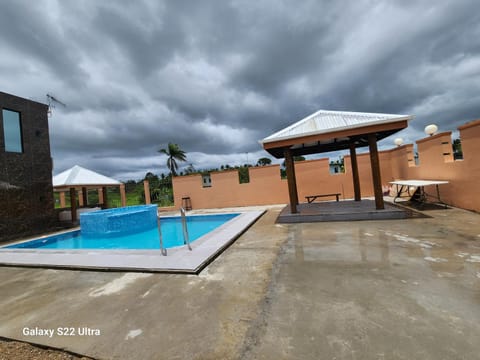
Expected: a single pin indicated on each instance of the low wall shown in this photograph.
(265, 187)
(436, 163)
(313, 176)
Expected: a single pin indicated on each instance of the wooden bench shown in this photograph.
(312, 198)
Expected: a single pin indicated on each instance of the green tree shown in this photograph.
(190, 169)
(243, 175)
(174, 154)
(264, 161)
(295, 158)
(150, 177)
(457, 149)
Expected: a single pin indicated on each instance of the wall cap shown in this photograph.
(401, 147)
(469, 124)
(263, 167)
(439, 135)
(323, 159)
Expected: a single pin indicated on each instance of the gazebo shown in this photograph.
(80, 179)
(326, 131)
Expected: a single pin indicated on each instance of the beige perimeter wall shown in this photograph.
(313, 176)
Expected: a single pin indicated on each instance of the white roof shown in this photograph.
(79, 176)
(325, 121)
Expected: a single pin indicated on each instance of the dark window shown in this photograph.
(206, 180)
(12, 131)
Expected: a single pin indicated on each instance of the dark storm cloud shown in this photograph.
(25, 29)
(217, 76)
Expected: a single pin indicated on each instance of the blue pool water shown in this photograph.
(118, 221)
(171, 231)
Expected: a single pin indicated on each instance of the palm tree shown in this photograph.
(174, 154)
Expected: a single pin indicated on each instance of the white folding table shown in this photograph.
(405, 185)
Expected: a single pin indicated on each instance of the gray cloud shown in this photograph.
(217, 76)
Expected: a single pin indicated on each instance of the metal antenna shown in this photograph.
(51, 103)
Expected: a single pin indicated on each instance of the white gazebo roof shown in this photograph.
(78, 176)
(326, 121)
(326, 131)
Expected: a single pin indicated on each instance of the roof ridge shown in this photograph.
(73, 174)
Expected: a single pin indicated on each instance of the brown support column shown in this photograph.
(146, 189)
(123, 197)
(356, 177)
(63, 203)
(291, 180)
(85, 196)
(100, 195)
(375, 163)
(80, 197)
(73, 204)
(105, 198)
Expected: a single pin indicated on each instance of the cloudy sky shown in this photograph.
(217, 76)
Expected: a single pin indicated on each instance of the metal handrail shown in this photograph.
(186, 241)
(162, 249)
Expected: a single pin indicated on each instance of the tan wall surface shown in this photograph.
(313, 176)
(265, 187)
(436, 163)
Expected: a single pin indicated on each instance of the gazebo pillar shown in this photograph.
(291, 180)
(100, 195)
(375, 164)
(63, 203)
(123, 197)
(105, 198)
(73, 204)
(146, 188)
(355, 176)
(80, 197)
(85, 196)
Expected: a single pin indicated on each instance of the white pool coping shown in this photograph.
(177, 260)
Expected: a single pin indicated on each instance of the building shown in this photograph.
(26, 193)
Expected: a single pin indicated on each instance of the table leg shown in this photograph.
(438, 197)
(399, 193)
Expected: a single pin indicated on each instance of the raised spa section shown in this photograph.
(118, 222)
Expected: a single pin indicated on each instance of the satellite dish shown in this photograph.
(431, 129)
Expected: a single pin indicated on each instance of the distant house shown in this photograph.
(26, 193)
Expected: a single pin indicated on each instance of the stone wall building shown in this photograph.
(26, 194)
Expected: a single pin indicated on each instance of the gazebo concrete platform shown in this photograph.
(347, 210)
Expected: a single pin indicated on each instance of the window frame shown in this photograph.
(20, 131)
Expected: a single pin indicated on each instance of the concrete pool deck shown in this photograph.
(387, 289)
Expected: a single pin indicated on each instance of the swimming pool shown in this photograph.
(172, 233)
(177, 259)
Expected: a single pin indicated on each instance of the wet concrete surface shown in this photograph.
(387, 289)
(404, 289)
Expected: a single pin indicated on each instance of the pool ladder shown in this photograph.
(162, 249)
(186, 240)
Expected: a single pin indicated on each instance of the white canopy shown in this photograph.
(326, 131)
(78, 176)
(326, 121)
